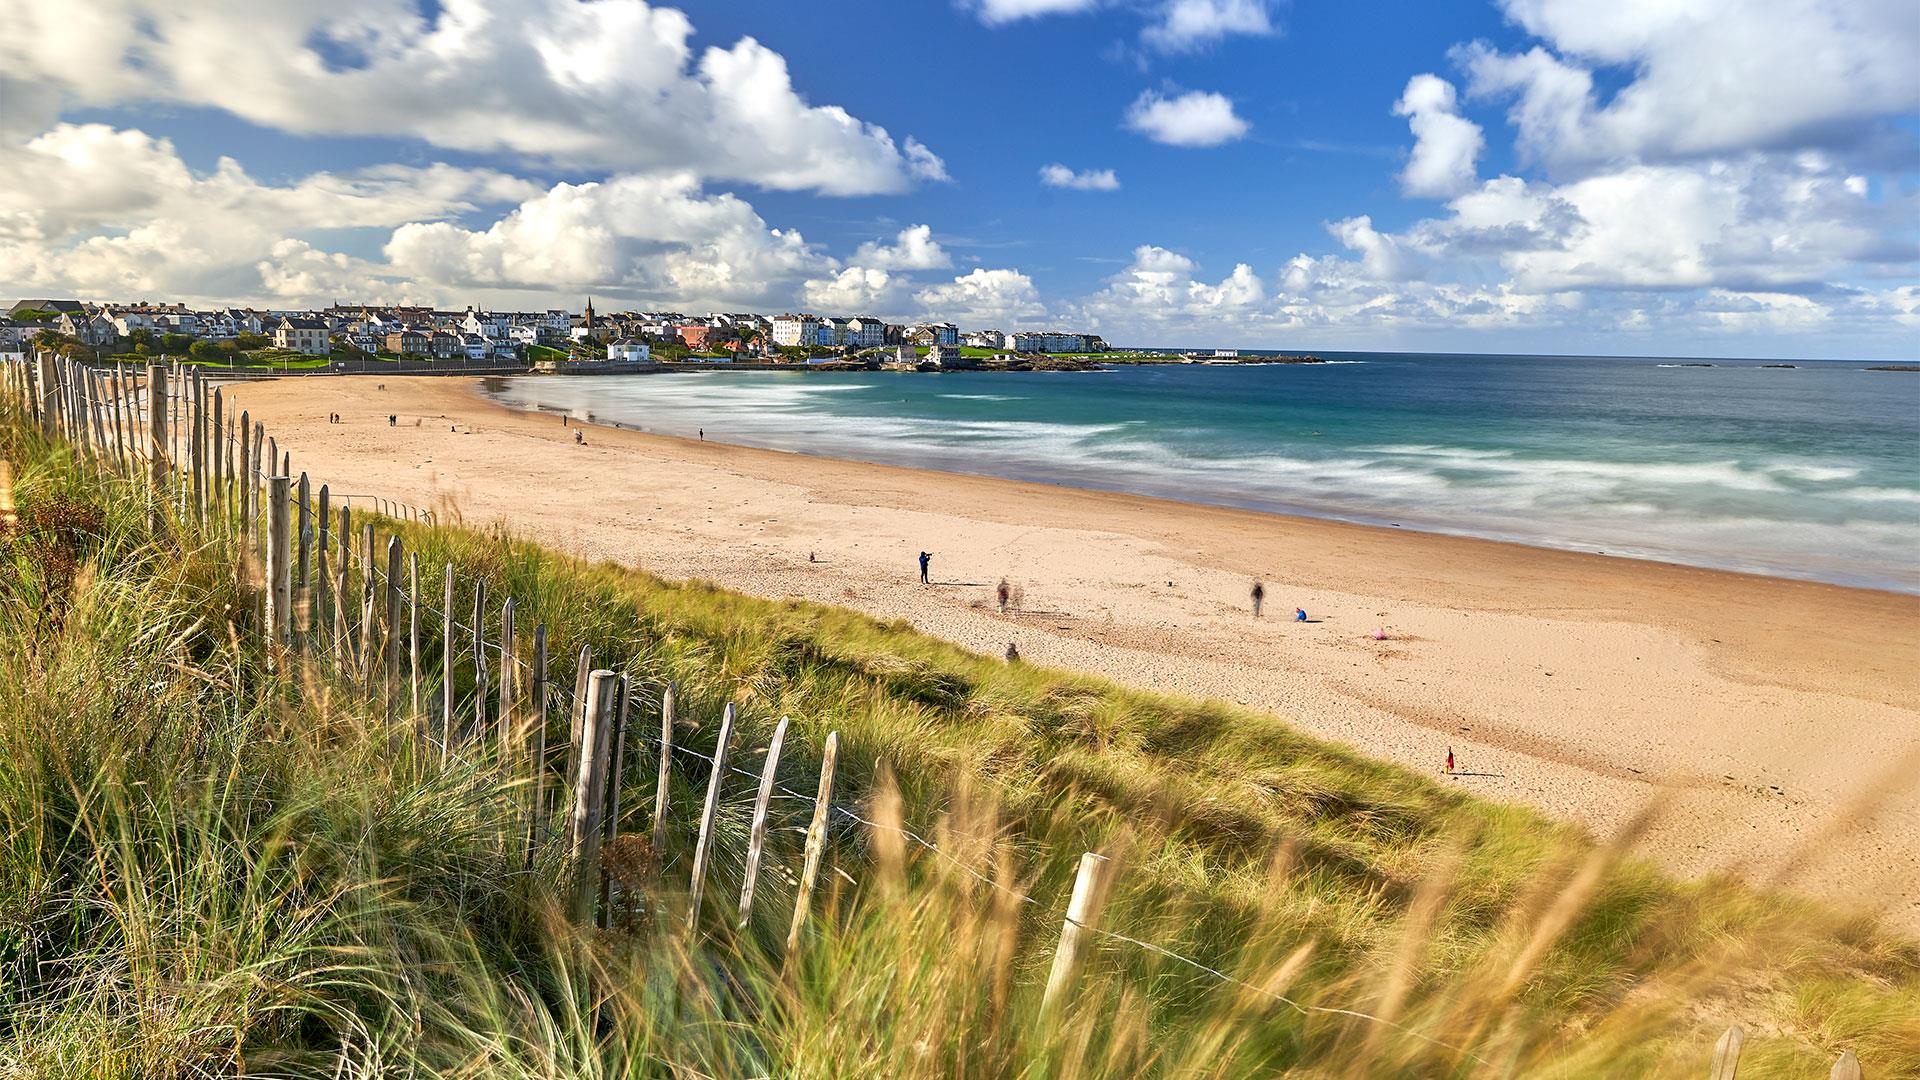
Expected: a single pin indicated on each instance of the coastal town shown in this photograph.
(359, 337)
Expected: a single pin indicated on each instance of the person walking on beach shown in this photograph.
(703, 434)
(1005, 593)
(926, 560)
(1449, 761)
(1259, 597)
(579, 437)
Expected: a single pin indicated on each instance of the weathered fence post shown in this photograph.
(345, 535)
(446, 667)
(480, 679)
(304, 524)
(666, 767)
(616, 769)
(589, 793)
(704, 843)
(325, 523)
(506, 720)
(816, 842)
(392, 642)
(757, 836)
(245, 486)
(1082, 911)
(279, 573)
(254, 479)
(1726, 1054)
(369, 623)
(413, 635)
(157, 439)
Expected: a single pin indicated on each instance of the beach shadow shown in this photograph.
(1495, 775)
(965, 583)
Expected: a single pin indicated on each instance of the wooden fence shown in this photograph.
(224, 473)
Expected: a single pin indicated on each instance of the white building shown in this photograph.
(984, 339)
(795, 330)
(629, 351)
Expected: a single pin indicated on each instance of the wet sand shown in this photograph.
(1781, 718)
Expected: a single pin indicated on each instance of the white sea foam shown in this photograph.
(1788, 515)
(1880, 494)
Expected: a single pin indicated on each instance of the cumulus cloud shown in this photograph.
(1754, 224)
(1707, 78)
(1195, 118)
(1057, 175)
(635, 236)
(983, 297)
(613, 84)
(1382, 257)
(913, 249)
(1446, 144)
(1159, 287)
(1185, 25)
(855, 289)
(112, 212)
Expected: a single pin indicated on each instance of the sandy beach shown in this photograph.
(1780, 718)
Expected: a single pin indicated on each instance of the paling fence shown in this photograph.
(356, 607)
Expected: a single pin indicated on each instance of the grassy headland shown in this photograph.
(210, 864)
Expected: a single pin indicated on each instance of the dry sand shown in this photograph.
(1782, 718)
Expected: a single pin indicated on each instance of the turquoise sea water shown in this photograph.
(1810, 472)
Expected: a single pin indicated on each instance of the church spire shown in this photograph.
(589, 312)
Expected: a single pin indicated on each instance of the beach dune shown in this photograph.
(1779, 720)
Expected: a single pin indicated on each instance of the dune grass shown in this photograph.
(212, 864)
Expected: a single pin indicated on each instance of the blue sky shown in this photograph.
(1700, 177)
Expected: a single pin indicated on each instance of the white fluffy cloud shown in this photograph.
(640, 237)
(913, 249)
(1753, 224)
(1185, 25)
(1382, 257)
(613, 84)
(1446, 144)
(1159, 285)
(983, 297)
(1708, 77)
(1195, 118)
(1057, 175)
(116, 213)
(856, 289)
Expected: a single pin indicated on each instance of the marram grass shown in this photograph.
(215, 865)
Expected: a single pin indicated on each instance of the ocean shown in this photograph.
(1811, 471)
